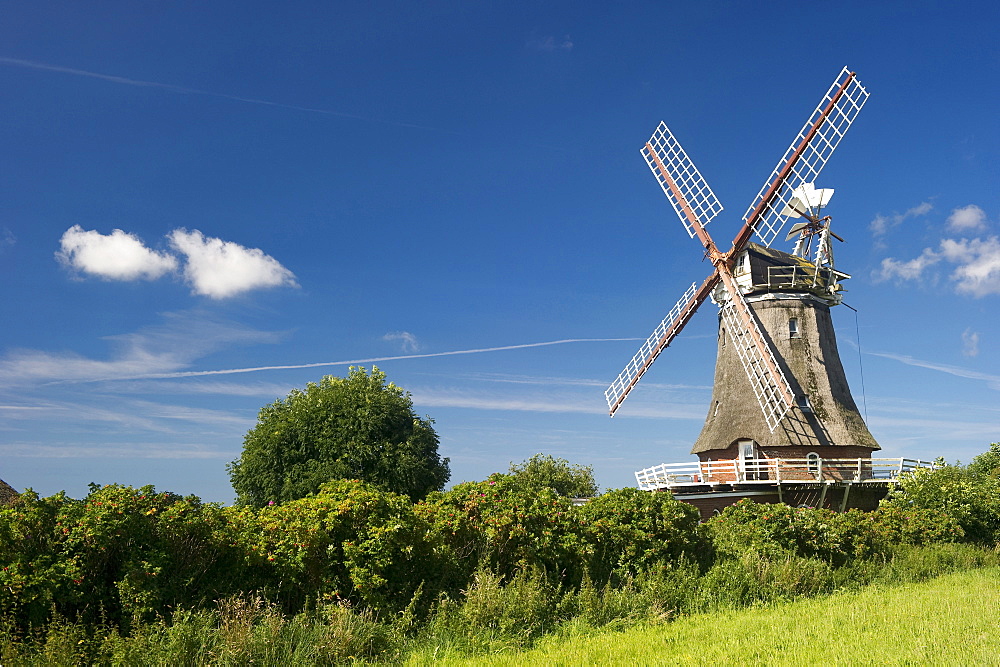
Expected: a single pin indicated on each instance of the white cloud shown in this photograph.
(977, 260)
(220, 269)
(883, 223)
(967, 218)
(408, 342)
(970, 343)
(563, 381)
(35, 365)
(214, 268)
(555, 402)
(127, 451)
(116, 256)
(978, 271)
(7, 239)
(549, 43)
(269, 390)
(169, 347)
(893, 269)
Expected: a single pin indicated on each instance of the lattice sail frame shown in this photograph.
(810, 162)
(664, 148)
(770, 396)
(655, 344)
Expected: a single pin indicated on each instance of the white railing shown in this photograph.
(799, 277)
(770, 471)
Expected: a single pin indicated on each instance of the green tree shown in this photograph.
(358, 427)
(542, 471)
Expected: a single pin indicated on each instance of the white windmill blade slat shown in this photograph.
(680, 180)
(807, 154)
(768, 381)
(656, 343)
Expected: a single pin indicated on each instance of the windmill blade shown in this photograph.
(768, 381)
(658, 341)
(804, 159)
(688, 192)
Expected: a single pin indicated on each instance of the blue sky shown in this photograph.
(304, 183)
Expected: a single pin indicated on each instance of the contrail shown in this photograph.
(30, 64)
(958, 371)
(346, 362)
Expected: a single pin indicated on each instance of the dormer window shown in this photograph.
(793, 328)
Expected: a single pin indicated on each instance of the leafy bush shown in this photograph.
(986, 466)
(500, 526)
(33, 574)
(910, 525)
(780, 530)
(971, 496)
(121, 554)
(542, 471)
(630, 531)
(349, 542)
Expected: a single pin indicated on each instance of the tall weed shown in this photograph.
(653, 595)
(757, 578)
(494, 615)
(911, 564)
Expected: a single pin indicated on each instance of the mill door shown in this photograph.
(747, 456)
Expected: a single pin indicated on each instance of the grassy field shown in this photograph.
(951, 620)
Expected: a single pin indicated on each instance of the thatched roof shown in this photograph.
(7, 493)
(811, 363)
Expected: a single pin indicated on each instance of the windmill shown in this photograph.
(776, 341)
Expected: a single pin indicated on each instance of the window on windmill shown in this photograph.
(793, 328)
(812, 461)
(803, 402)
(722, 336)
(714, 414)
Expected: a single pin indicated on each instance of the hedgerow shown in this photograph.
(353, 570)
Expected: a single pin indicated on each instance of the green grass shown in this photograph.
(951, 620)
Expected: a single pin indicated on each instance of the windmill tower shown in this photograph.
(780, 392)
